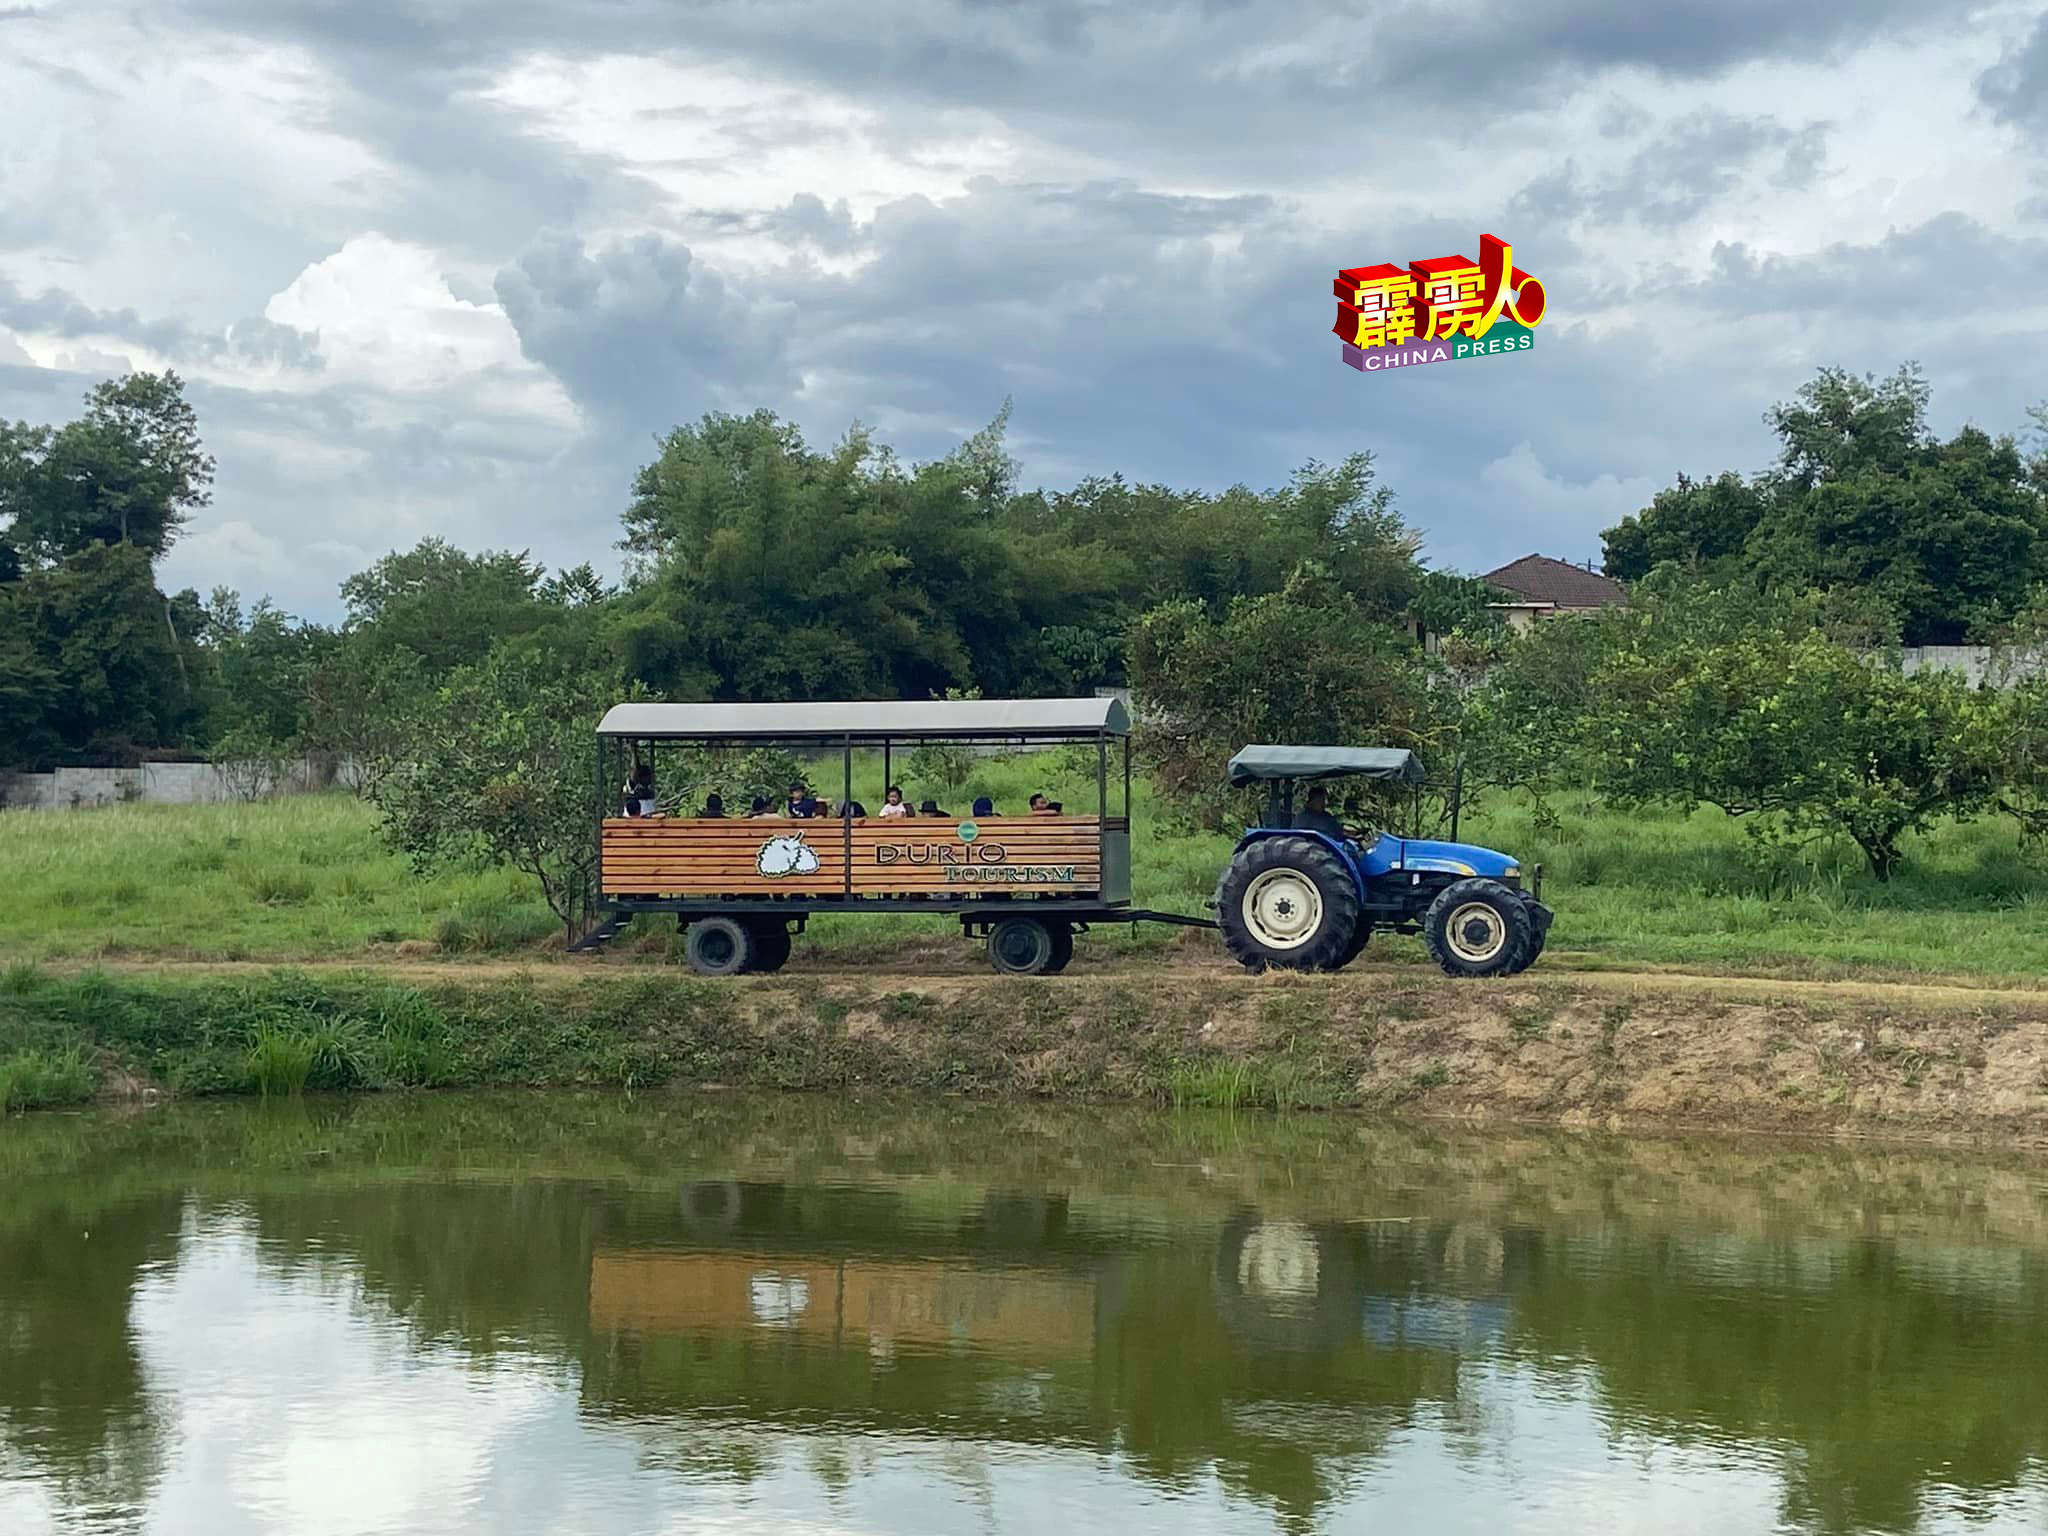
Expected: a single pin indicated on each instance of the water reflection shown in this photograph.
(561, 1314)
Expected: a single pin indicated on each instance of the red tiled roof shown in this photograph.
(1540, 579)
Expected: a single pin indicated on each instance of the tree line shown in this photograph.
(758, 567)
(1754, 667)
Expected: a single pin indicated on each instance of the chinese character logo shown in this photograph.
(1442, 308)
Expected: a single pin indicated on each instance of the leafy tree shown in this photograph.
(263, 667)
(1756, 706)
(360, 706)
(1863, 497)
(786, 573)
(1305, 664)
(97, 625)
(2019, 721)
(251, 761)
(1951, 541)
(492, 764)
(449, 608)
(1697, 524)
(131, 470)
(1519, 709)
(1840, 426)
(1156, 544)
(31, 692)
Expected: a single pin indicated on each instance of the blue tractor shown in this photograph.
(1303, 892)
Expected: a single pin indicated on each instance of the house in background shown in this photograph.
(1539, 587)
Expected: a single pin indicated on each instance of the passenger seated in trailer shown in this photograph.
(852, 810)
(639, 791)
(984, 806)
(1315, 816)
(930, 808)
(714, 807)
(893, 803)
(1040, 806)
(803, 803)
(761, 807)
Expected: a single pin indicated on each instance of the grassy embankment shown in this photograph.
(1580, 1050)
(306, 879)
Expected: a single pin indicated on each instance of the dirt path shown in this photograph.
(920, 975)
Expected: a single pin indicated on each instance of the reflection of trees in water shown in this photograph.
(484, 1264)
(73, 1403)
(1261, 1336)
(1878, 1385)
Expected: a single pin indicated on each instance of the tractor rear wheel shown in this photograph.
(1290, 903)
(1477, 928)
(1357, 945)
(1530, 951)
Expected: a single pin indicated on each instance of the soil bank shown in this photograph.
(1597, 1050)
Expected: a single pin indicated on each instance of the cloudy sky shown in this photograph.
(447, 266)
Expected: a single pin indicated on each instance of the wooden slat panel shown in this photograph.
(686, 856)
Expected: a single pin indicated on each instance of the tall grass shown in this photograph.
(287, 1057)
(298, 877)
(34, 1079)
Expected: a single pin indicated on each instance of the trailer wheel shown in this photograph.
(770, 946)
(1022, 946)
(717, 946)
(1288, 902)
(1062, 948)
(1477, 928)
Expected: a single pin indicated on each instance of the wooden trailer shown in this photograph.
(739, 885)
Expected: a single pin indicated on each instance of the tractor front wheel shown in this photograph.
(1478, 928)
(1290, 903)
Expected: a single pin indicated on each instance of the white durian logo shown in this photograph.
(788, 855)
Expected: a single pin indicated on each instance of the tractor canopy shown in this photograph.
(1259, 764)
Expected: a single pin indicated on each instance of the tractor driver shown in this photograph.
(1315, 816)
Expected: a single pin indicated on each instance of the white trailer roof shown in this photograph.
(943, 719)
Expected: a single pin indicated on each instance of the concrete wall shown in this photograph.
(160, 784)
(1973, 661)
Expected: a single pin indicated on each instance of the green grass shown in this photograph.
(302, 877)
(307, 878)
(34, 1079)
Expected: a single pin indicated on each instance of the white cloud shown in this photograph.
(385, 315)
(1555, 516)
(706, 136)
(88, 359)
(904, 219)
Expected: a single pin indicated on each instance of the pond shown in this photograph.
(788, 1314)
